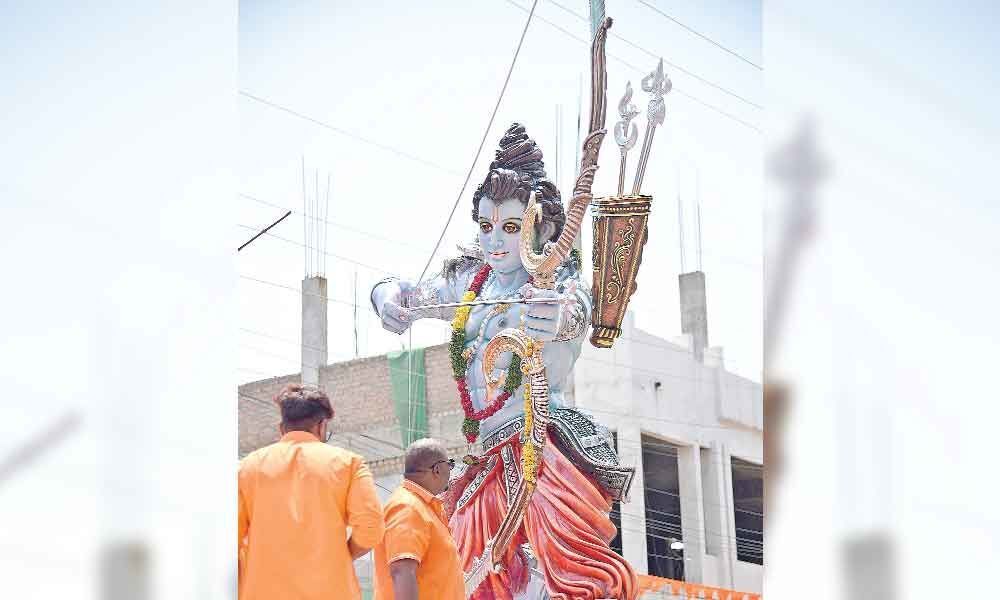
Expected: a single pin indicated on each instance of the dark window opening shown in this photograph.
(748, 510)
(664, 539)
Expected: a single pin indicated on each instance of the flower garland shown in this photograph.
(460, 364)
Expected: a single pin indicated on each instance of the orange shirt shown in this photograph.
(297, 498)
(416, 527)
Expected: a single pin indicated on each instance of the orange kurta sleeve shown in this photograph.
(406, 534)
(243, 527)
(364, 511)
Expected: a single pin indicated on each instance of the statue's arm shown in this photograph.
(562, 352)
(398, 303)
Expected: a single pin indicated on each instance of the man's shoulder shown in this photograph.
(405, 500)
(325, 452)
(335, 456)
(252, 459)
(335, 451)
(402, 505)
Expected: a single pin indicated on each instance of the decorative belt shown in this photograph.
(503, 433)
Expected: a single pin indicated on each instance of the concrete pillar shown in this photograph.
(718, 515)
(692, 515)
(729, 506)
(314, 310)
(633, 511)
(694, 310)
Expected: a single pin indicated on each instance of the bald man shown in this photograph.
(417, 558)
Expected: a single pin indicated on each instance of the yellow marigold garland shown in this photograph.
(529, 461)
(462, 312)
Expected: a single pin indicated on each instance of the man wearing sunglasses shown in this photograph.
(297, 499)
(418, 559)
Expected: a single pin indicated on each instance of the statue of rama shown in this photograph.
(564, 532)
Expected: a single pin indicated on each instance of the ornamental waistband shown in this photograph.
(503, 433)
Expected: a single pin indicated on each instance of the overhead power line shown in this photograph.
(644, 72)
(347, 133)
(263, 231)
(701, 35)
(652, 54)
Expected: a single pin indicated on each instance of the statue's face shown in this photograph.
(500, 233)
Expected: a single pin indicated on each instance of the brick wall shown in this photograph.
(361, 394)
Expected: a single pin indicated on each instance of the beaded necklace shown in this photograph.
(460, 362)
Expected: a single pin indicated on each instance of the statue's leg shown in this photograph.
(472, 526)
(568, 527)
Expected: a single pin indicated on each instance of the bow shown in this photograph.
(542, 267)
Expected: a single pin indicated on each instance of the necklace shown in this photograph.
(469, 352)
(460, 359)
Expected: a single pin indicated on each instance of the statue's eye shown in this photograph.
(511, 227)
(485, 226)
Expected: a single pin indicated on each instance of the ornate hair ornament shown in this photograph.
(518, 171)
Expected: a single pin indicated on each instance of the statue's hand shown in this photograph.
(457, 484)
(395, 318)
(541, 320)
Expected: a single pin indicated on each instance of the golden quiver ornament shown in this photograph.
(619, 236)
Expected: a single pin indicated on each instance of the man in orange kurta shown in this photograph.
(297, 499)
(418, 559)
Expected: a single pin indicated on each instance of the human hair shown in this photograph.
(302, 406)
(518, 170)
(422, 453)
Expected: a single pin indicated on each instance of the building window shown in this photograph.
(664, 539)
(748, 510)
(616, 511)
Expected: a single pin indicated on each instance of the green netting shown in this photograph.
(406, 372)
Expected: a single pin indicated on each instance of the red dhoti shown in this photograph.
(566, 522)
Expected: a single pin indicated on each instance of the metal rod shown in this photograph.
(640, 172)
(263, 231)
(326, 229)
(621, 174)
(315, 227)
(305, 220)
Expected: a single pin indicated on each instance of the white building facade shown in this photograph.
(694, 433)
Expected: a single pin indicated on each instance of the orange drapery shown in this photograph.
(650, 583)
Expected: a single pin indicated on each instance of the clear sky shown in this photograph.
(423, 80)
